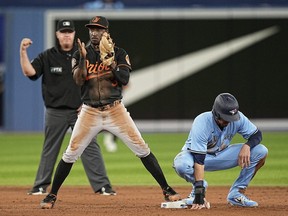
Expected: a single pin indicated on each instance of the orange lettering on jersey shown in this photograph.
(96, 70)
(91, 77)
(101, 67)
(91, 68)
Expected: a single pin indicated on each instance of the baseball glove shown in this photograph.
(106, 47)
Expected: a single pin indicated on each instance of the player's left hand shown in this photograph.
(201, 206)
(200, 202)
(244, 156)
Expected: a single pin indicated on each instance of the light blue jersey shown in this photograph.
(206, 137)
(209, 146)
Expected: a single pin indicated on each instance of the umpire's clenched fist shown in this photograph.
(25, 43)
(26, 65)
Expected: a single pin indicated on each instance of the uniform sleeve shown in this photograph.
(38, 65)
(246, 127)
(122, 59)
(255, 139)
(198, 136)
(122, 72)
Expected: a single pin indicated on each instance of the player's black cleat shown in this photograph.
(170, 194)
(48, 202)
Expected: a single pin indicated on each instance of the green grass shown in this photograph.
(20, 155)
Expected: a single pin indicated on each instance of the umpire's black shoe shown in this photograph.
(48, 202)
(106, 191)
(170, 194)
(37, 191)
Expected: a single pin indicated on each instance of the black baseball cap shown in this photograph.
(98, 21)
(226, 107)
(65, 25)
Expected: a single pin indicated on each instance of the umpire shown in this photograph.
(62, 100)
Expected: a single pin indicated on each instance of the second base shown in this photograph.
(177, 204)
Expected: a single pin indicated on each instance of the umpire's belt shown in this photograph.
(104, 107)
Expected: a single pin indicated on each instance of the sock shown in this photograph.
(151, 164)
(62, 171)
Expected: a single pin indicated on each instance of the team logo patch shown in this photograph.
(127, 60)
(56, 70)
(96, 19)
(66, 23)
(234, 111)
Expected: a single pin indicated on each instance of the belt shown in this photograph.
(104, 107)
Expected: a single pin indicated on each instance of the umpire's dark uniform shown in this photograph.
(62, 99)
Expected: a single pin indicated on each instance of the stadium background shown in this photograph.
(256, 75)
(21, 107)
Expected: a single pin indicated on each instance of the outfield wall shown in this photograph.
(181, 60)
(23, 106)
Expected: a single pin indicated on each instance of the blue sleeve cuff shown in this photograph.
(199, 158)
(254, 139)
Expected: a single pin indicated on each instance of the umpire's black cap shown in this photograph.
(65, 25)
(98, 21)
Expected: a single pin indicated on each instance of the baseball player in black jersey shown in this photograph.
(102, 80)
(62, 98)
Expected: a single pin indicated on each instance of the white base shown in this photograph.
(177, 204)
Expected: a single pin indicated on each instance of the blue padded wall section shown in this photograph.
(23, 105)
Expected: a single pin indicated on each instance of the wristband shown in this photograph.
(199, 183)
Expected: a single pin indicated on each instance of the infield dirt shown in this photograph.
(138, 200)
